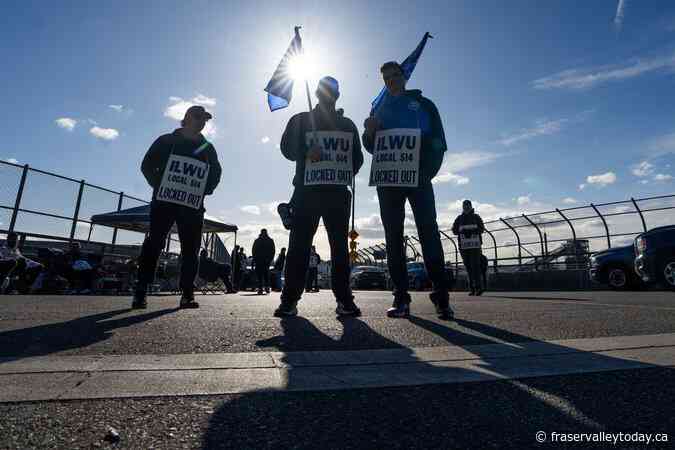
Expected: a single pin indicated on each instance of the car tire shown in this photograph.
(618, 278)
(668, 273)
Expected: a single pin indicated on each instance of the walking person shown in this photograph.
(263, 254)
(327, 152)
(181, 167)
(406, 137)
(469, 227)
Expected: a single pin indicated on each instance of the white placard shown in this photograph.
(184, 181)
(335, 165)
(470, 242)
(396, 158)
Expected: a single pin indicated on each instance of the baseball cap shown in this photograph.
(199, 112)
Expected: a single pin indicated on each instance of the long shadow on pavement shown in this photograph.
(56, 337)
(497, 414)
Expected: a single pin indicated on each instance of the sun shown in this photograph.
(300, 67)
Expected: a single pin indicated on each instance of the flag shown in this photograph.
(280, 87)
(408, 66)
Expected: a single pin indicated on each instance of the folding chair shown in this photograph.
(212, 286)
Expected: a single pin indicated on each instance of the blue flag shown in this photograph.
(408, 66)
(280, 87)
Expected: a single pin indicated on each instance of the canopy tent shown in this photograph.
(138, 219)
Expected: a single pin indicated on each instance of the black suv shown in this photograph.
(615, 268)
(368, 277)
(655, 251)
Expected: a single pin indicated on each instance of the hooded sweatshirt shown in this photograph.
(294, 147)
(412, 110)
(155, 159)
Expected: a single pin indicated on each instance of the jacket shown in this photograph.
(294, 148)
(155, 159)
(263, 249)
(469, 219)
(433, 145)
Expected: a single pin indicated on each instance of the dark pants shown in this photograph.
(262, 271)
(392, 212)
(312, 279)
(472, 263)
(189, 223)
(310, 206)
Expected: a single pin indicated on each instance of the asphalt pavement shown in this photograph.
(559, 362)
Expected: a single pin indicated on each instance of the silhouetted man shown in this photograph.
(469, 227)
(327, 153)
(182, 168)
(263, 254)
(405, 136)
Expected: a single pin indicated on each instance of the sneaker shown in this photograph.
(139, 301)
(347, 309)
(286, 213)
(480, 291)
(187, 301)
(399, 309)
(267, 290)
(286, 309)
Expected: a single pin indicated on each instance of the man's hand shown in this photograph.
(372, 124)
(314, 153)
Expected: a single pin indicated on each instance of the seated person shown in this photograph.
(79, 271)
(13, 265)
(211, 270)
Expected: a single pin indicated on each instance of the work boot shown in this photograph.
(187, 301)
(286, 309)
(139, 301)
(441, 301)
(347, 308)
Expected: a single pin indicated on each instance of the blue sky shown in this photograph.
(545, 104)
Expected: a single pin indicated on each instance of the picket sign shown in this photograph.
(335, 165)
(184, 181)
(396, 158)
(470, 242)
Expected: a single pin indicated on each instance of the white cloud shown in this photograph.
(117, 108)
(643, 169)
(644, 181)
(107, 134)
(662, 177)
(524, 200)
(569, 201)
(541, 128)
(177, 110)
(582, 186)
(251, 209)
(66, 123)
(271, 207)
(12, 160)
(585, 78)
(602, 180)
(461, 161)
(620, 11)
(265, 139)
(449, 177)
(201, 99)
(663, 145)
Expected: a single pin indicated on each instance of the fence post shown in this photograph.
(456, 252)
(642, 218)
(19, 195)
(541, 239)
(604, 222)
(119, 208)
(77, 210)
(494, 243)
(520, 253)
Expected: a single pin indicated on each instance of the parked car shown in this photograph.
(655, 256)
(418, 278)
(368, 277)
(615, 268)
